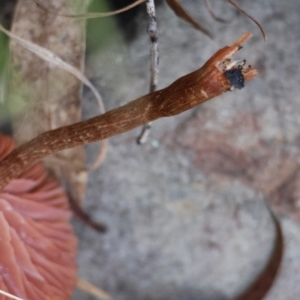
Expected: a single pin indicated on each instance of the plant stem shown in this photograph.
(154, 57)
(183, 94)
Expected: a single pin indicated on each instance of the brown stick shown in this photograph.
(185, 93)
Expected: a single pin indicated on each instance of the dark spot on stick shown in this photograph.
(236, 77)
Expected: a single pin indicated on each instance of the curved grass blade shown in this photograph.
(55, 60)
(211, 12)
(251, 18)
(182, 13)
(263, 283)
(92, 290)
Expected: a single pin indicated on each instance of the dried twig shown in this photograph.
(152, 32)
(154, 57)
(10, 296)
(185, 93)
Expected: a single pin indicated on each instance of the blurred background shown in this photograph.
(186, 212)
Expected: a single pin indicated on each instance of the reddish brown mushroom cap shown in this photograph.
(37, 244)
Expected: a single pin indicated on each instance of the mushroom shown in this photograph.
(37, 244)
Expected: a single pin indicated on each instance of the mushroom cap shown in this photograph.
(37, 244)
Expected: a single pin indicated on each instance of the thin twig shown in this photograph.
(92, 290)
(183, 94)
(153, 34)
(8, 295)
(154, 59)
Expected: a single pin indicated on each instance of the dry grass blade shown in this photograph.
(211, 12)
(80, 213)
(10, 295)
(261, 286)
(246, 14)
(100, 157)
(92, 290)
(185, 93)
(50, 57)
(41, 97)
(181, 12)
(93, 15)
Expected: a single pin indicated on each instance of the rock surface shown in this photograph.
(186, 212)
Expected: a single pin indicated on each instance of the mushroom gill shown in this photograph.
(37, 244)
